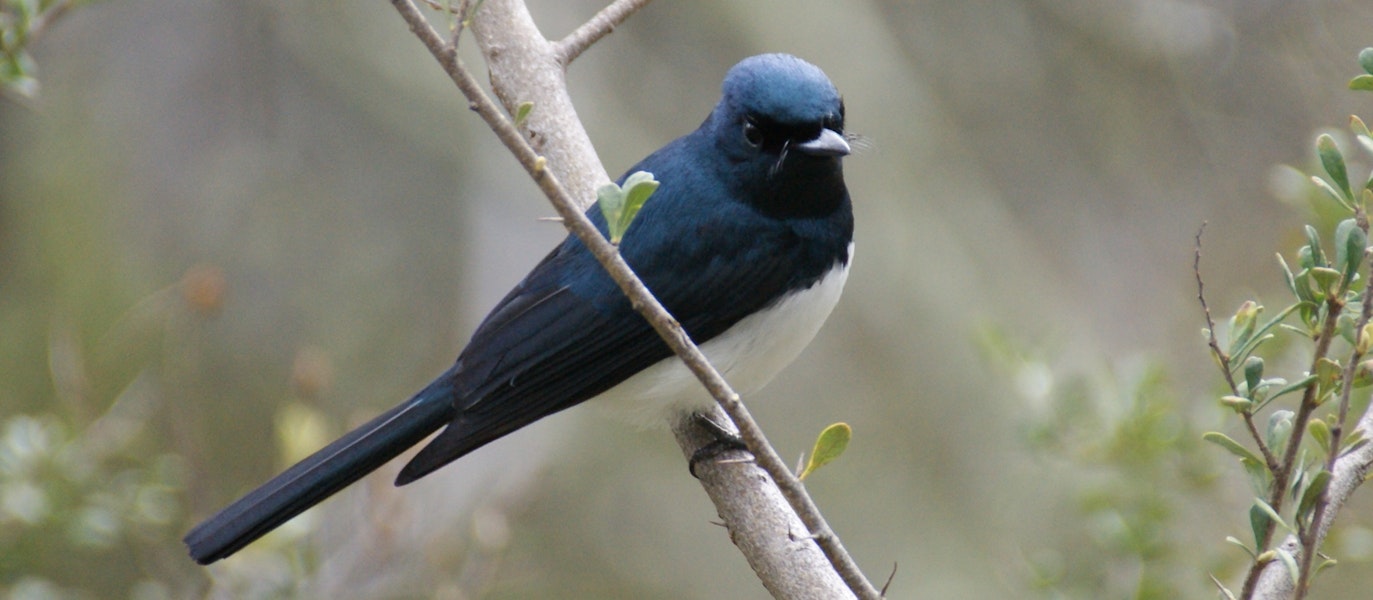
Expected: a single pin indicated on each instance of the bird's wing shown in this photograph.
(567, 333)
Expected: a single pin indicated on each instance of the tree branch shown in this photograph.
(1275, 581)
(599, 26)
(760, 521)
(523, 69)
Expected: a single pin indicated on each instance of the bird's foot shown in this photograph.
(725, 441)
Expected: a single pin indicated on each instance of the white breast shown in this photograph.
(748, 355)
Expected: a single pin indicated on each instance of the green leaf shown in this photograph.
(1230, 539)
(1350, 242)
(1311, 255)
(638, 187)
(1272, 515)
(1242, 325)
(1354, 438)
(1354, 446)
(1287, 274)
(1223, 590)
(1238, 404)
(1313, 492)
(1364, 139)
(828, 446)
(1327, 280)
(1326, 563)
(1320, 431)
(1260, 394)
(1366, 60)
(1236, 448)
(1279, 428)
(1361, 83)
(621, 204)
(1329, 190)
(1333, 162)
(522, 113)
(1363, 372)
(1294, 386)
(1358, 127)
(1258, 475)
(1253, 372)
(1329, 374)
(1259, 522)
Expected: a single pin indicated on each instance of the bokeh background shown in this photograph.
(230, 229)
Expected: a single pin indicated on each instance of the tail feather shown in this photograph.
(325, 472)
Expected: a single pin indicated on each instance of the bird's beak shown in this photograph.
(828, 143)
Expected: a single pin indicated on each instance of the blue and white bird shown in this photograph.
(747, 242)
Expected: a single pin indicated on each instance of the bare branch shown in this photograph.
(525, 67)
(599, 26)
(1223, 358)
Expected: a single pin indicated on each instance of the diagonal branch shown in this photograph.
(599, 26)
(643, 301)
(1274, 582)
(1221, 357)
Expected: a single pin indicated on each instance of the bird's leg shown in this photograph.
(725, 441)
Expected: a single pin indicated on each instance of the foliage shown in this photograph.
(1132, 463)
(21, 21)
(621, 204)
(1299, 425)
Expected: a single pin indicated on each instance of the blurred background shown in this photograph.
(231, 229)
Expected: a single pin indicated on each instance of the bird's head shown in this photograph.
(779, 123)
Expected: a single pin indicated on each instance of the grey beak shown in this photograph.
(828, 143)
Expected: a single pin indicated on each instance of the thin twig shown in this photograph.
(1220, 355)
(1224, 359)
(641, 299)
(595, 28)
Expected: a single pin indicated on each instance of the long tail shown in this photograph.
(312, 480)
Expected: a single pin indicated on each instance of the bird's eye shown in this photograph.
(752, 134)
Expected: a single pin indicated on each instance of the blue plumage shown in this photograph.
(746, 242)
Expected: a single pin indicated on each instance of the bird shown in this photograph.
(747, 242)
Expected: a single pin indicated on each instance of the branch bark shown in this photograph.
(526, 67)
(1275, 581)
(760, 522)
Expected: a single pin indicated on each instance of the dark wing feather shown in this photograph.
(567, 333)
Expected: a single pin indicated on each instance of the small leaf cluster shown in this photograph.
(1294, 446)
(20, 22)
(82, 493)
(1364, 82)
(1125, 451)
(620, 204)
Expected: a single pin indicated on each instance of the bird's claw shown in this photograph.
(725, 441)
